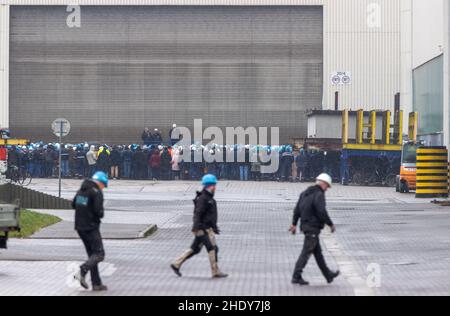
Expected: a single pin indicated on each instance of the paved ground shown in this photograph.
(406, 240)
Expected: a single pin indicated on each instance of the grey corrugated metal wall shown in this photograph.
(130, 67)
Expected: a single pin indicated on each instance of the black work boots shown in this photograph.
(330, 278)
(81, 277)
(333, 275)
(300, 281)
(99, 288)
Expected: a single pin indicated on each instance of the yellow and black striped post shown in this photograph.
(432, 172)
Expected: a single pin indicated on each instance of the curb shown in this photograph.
(146, 232)
(149, 231)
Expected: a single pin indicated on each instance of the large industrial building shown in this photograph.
(113, 67)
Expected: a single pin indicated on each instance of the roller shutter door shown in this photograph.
(130, 67)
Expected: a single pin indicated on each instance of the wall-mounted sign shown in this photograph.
(340, 78)
(61, 127)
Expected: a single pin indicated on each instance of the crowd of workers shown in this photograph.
(159, 162)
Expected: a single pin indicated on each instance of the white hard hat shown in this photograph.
(325, 178)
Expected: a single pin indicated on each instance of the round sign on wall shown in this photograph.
(346, 80)
(341, 78)
(61, 127)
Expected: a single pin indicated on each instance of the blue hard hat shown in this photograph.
(102, 177)
(209, 179)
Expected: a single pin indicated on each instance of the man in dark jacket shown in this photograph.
(301, 161)
(64, 161)
(80, 162)
(116, 161)
(147, 137)
(287, 159)
(38, 164)
(13, 157)
(311, 209)
(104, 160)
(49, 157)
(166, 158)
(157, 137)
(204, 228)
(88, 205)
(142, 164)
(127, 162)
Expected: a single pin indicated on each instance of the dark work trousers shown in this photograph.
(205, 238)
(93, 243)
(92, 170)
(311, 247)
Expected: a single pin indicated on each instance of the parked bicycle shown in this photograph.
(18, 176)
(374, 177)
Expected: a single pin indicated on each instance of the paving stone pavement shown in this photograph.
(407, 239)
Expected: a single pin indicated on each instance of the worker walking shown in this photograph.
(88, 205)
(311, 209)
(204, 228)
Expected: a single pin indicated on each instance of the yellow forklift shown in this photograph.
(406, 181)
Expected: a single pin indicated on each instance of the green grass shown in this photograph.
(31, 222)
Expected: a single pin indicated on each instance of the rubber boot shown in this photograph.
(176, 266)
(216, 273)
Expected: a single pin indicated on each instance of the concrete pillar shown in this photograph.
(406, 60)
(4, 65)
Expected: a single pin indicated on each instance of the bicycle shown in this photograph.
(18, 176)
(373, 178)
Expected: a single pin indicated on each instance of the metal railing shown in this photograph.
(31, 198)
